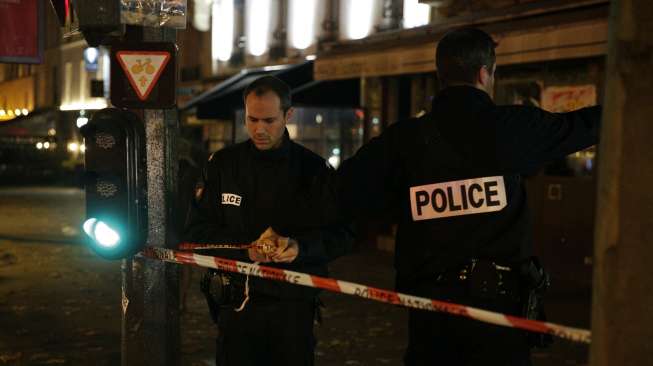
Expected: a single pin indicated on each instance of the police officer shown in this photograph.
(452, 180)
(248, 190)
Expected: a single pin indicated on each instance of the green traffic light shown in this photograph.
(89, 225)
(105, 235)
(115, 181)
(101, 233)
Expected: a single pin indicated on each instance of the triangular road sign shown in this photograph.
(143, 69)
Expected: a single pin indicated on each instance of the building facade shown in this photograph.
(355, 67)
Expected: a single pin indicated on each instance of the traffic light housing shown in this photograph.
(115, 181)
(99, 21)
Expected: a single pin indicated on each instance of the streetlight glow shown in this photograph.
(81, 121)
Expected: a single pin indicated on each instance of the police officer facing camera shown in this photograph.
(248, 191)
(452, 180)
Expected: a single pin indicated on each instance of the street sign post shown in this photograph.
(143, 75)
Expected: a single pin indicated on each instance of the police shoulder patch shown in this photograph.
(457, 198)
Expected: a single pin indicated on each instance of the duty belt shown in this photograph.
(463, 272)
(483, 278)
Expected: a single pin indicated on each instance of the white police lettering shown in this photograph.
(461, 197)
(231, 199)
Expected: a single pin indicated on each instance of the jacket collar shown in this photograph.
(280, 153)
(468, 94)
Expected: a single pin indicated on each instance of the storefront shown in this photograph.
(16, 98)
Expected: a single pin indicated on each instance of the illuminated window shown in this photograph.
(302, 23)
(416, 14)
(83, 82)
(68, 82)
(258, 26)
(202, 15)
(359, 18)
(222, 30)
(105, 67)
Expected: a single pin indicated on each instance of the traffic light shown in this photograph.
(115, 180)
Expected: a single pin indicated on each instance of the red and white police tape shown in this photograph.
(195, 246)
(350, 288)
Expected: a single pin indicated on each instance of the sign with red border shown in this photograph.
(143, 69)
(143, 75)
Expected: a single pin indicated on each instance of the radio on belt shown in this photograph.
(457, 198)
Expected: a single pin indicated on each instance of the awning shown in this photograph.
(328, 93)
(226, 97)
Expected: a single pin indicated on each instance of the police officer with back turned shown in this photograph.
(452, 180)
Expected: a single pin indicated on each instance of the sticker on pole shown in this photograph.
(143, 69)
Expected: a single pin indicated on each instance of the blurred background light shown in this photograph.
(302, 23)
(258, 26)
(222, 30)
(359, 18)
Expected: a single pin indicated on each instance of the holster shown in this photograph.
(524, 283)
(487, 280)
(535, 282)
(218, 291)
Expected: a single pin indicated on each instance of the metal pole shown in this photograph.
(161, 280)
(150, 323)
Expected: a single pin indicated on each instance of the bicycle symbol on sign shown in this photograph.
(141, 66)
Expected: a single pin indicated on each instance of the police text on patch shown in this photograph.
(456, 198)
(231, 199)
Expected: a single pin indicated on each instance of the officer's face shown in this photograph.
(265, 120)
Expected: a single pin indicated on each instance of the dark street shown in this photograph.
(495, 154)
(60, 303)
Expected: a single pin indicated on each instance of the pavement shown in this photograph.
(60, 303)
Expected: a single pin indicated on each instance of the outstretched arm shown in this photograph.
(540, 136)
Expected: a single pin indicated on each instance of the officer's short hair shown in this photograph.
(461, 53)
(269, 83)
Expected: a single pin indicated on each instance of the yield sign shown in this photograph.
(143, 69)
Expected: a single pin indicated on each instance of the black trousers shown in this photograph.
(273, 333)
(442, 339)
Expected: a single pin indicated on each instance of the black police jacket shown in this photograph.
(452, 179)
(247, 190)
